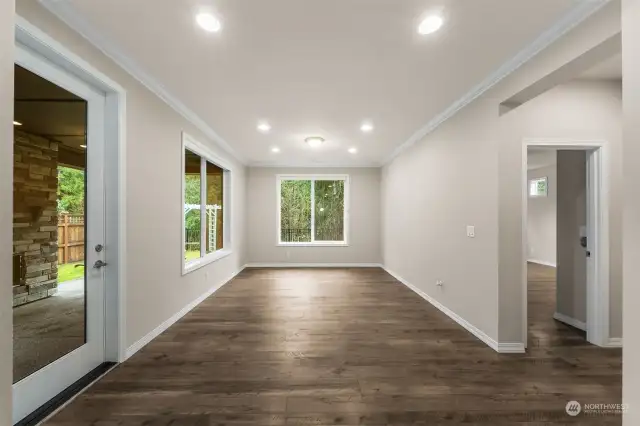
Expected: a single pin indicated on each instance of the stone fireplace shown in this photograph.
(35, 231)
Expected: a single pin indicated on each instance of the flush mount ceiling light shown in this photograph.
(275, 149)
(264, 127)
(314, 141)
(17, 123)
(366, 127)
(430, 25)
(208, 22)
(353, 150)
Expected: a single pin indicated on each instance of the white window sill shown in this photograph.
(318, 244)
(204, 261)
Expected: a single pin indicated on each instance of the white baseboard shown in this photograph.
(570, 321)
(131, 350)
(313, 265)
(543, 262)
(498, 347)
(614, 342)
(511, 348)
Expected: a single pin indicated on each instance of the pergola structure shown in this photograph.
(212, 215)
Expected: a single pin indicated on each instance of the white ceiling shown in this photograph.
(611, 69)
(317, 67)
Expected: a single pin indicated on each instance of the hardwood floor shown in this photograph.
(345, 347)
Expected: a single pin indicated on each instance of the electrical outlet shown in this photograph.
(471, 231)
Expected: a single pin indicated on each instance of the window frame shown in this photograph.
(206, 155)
(546, 187)
(313, 177)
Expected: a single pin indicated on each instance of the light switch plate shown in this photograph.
(471, 231)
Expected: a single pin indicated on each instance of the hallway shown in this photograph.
(342, 346)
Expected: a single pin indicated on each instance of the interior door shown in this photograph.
(59, 331)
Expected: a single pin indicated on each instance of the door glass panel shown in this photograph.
(48, 223)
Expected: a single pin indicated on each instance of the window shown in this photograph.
(538, 187)
(313, 210)
(205, 204)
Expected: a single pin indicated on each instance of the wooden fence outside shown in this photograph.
(70, 238)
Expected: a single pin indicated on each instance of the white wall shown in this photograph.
(155, 290)
(541, 219)
(364, 219)
(469, 172)
(430, 194)
(631, 350)
(6, 207)
(581, 110)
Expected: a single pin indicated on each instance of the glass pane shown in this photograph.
(329, 210)
(295, 211)
(192, 198)
(542, 187)
(214, 227)
(48, 223)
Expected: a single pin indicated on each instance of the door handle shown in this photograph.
(583, 242)
(99, 264)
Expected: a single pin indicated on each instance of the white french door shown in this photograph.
(42, 382)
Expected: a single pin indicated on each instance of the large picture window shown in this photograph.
(205, 199)
(313, 210)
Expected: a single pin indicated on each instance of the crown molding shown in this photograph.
(578, 14)
(67, 14)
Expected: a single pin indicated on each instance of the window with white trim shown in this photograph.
(313, 210)
(205, 197)
(538, 187)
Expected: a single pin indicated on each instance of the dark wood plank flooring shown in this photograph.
(345, 347)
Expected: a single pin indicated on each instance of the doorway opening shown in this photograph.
(565, 230)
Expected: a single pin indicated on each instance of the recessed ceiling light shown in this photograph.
(430, 25)
(275, 149)
(17, 123)
(83, 146)
(366, 127)
(208, 22)
(264, 127)
(353, 150)
(314, 141)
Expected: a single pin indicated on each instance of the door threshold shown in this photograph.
(66, 395)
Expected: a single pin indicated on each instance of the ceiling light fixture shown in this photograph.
(264, 127)
(430, 25)
(353, 150)
(314, 141)
(366, 127)
(17, 123)
(275, 149)
(208, 22)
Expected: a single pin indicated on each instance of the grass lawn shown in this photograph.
(68, 272)
(190, 255)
